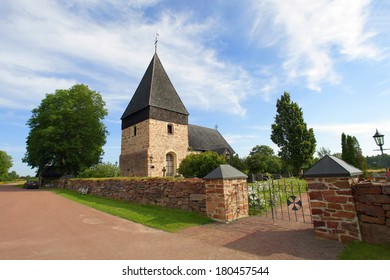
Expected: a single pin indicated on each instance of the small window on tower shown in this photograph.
(170, 128)
(134, 131)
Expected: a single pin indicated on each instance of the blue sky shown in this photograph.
(228, 60)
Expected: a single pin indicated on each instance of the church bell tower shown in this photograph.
(154, 127)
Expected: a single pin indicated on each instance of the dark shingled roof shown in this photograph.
(225, 171)
(331, 166)
(207, 139)
(155, 89)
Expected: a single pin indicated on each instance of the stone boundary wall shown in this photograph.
(333, 209)
(186, 194)
(345, 210)
(373, 210)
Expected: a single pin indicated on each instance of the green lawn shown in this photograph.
(363, 251)
(170, 220)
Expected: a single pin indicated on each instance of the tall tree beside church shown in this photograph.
(297, 143)
(352, 153)
(348, 151)
(66, 130)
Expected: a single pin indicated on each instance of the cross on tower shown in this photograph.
(155, 43)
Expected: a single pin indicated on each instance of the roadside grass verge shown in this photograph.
(170, 220)
(358, 250)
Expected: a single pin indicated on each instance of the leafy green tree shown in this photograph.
(262, 150)
(13, 176)
(352, 153)
(237, 162)
(297, 143)
(199, 165)
(377, 162)
(263, 160)
(5, 164)
(66, 130)
(264, 164)
(323, 152)
(348, 149)
(101, 170)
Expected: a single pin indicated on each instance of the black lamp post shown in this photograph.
(379, 140)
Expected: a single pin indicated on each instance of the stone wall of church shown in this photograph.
(133, 143)
(152, 140)
(162, 143)
(133, 160)
(134, 164)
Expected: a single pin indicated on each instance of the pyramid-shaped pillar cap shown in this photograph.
(225, 171)
(331, 166)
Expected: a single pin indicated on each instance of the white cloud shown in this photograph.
(314, 35)
(52, 44)
(329, 135)
(22, 90)
(367, 128)
(240, 138)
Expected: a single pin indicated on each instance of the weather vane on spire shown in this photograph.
(155, 43)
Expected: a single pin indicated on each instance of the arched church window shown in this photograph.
(169, 165)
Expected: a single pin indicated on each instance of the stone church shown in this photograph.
(156, 135)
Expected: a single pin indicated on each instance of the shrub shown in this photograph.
(199, 165)
(101, 170)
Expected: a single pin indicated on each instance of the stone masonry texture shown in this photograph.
(186, 194)
(373, 209)
(333, 209)
(227, 200)
(345, 210)
(144, 154)
(161, 143)
(221, 200)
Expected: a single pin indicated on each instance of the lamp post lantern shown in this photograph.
(380, 141)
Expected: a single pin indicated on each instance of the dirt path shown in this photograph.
(36, 224)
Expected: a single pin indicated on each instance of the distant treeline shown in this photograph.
(376, 162)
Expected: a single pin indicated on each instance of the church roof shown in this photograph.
(155, 89)
(207, 139)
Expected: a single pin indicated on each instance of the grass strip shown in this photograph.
(170, 220)
(358, 250)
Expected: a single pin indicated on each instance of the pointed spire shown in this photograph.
(156, 90)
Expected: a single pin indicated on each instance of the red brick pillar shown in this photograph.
(226, 199)
(333, 208)
(226, 194)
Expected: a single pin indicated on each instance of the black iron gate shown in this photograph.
(285, 199)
